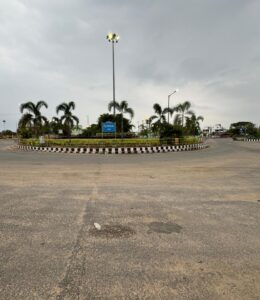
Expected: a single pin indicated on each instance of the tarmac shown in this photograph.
(182, 225)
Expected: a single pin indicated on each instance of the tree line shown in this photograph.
(245, 129)
(184, 120)
(33, 123)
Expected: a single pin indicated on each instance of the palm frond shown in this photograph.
(26, 120)
(43, 118)
(179, 107)
(167, 110)
(55, 119)
(177, 119)
(157, 108)
(61, 107)
(163, 118)
(190, 112)
(40, 104)
(30, 106)
(123, 105)
(186, 105)
(152, 118)
(71, 105)
(76, 119)
(112, 104)
(130, 111)
(63, 118)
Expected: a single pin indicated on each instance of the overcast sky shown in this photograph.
(56, 50)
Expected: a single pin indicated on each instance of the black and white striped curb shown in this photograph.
(251, 140)
(119, 150)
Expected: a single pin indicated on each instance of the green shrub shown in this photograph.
(145, 142)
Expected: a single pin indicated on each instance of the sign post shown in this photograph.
(108, 127)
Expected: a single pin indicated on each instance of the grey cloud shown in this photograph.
(56, 50)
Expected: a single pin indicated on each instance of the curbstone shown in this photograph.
(120, 150)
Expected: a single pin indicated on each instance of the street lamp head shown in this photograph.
(109, 36)
(113, 37)
(177, 90)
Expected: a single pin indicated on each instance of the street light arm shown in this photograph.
(172, 93)
(169, 103)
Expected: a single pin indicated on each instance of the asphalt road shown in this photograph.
(180, 225)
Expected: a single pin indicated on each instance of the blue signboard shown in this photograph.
(109, 127)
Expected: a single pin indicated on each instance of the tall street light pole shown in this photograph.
(113, 38)
(4, 121)
(169, 96)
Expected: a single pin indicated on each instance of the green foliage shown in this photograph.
(54, 126)
(134, 142)
(91, 131)
(32, 120)
(122, 108)
(94, 142)
(185, 121)
(144, 131)
(67, 120)
(244, 128)
(25, 133)
(7, 134)
(158, 119)
(183, 109)
(127, 126)
(170, 131)
(193, 124)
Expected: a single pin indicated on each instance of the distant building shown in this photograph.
(218, 129)
(207, 131)
(215, 130)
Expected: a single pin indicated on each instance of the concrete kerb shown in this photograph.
(252, 140)
(247, 140)
(119, 150)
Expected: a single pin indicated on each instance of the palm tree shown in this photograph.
(170, 110)
(67, 119)
(159, 116)
(183, 109)
(193, 124)
(177, 120)
(122, 108)
(33, 117)
(56, 120)
(55, 125)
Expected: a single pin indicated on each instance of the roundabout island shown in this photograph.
(94, 146)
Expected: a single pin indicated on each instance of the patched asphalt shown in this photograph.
(173, 225)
